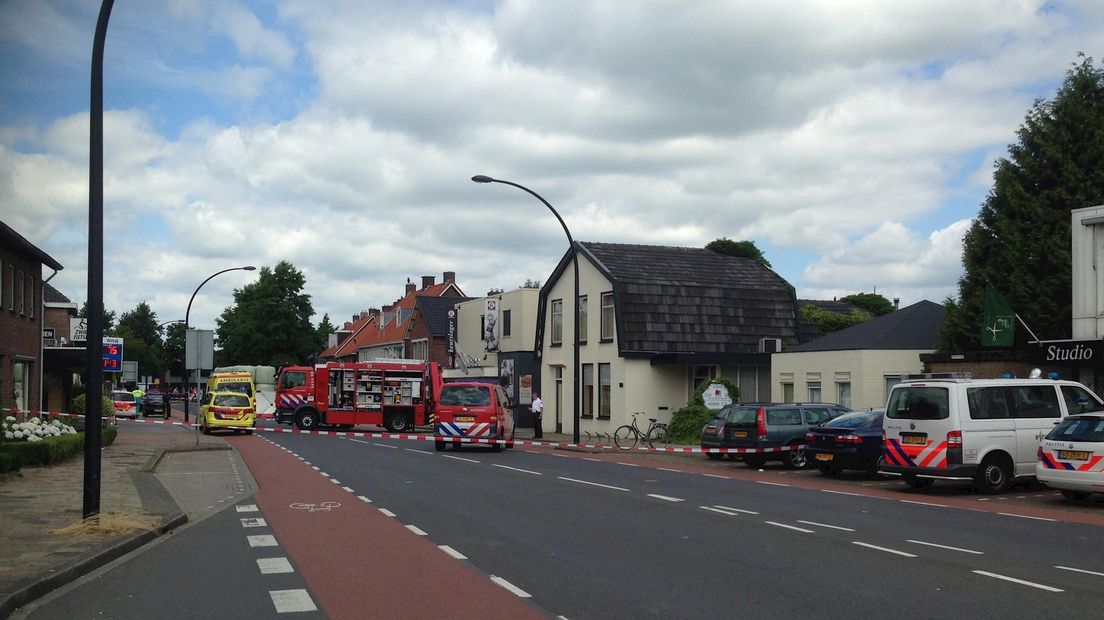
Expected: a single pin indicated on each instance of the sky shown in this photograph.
(851, 140)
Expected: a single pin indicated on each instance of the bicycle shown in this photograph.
(628, 435)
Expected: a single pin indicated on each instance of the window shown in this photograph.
(473, 396)
(890, 381)
(557, 321)
(817, 416)
(294, 379)
(814, 392)
(787, 417)
(700, 375)
(1078, 400)
(607, 316)
(505, 325)
(604, 391)
(582, 318)
(19, 293)
(419, 349)
(844, 391)
(787, 392)
(919, 403)
(588, 391)
(1035, 401)
(30, 296)
(11, 287)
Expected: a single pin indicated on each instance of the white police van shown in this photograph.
(985, 431)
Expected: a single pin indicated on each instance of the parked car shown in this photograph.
(226, 409)
(851, 441)
(767, 425)
(1071, 457)
(125, 404)
(153, 404)
(476, 410)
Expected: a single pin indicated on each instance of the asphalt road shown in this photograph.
(593, 538)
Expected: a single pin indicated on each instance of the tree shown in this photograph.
(1020, 240)
(746, 249)
(108, 316)
(142, 340)
(873, 303)
(269, 323)
(827, 321)
(174, 348)
(322, 334)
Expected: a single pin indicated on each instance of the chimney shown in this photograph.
(373, 312)
(896, 303)
(356, 317)
(448, 276)
(410, 286)
(427, 281)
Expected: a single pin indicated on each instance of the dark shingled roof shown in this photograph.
(434, 311)
(16, 243)
(52, 295)
(914, 327)
(691, 300)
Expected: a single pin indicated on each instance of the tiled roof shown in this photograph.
(913, 327)
(344, 347)
(51, 295)
(434, 311)
(396, 328)
(18, 244)
(691, 300)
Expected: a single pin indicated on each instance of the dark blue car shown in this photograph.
(851, 441)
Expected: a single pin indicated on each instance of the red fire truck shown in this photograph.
(395, 393)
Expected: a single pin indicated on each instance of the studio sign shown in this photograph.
(1076, 353)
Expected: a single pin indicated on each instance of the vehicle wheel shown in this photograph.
(397, 423)
(439, 444)
(919, 483)
(714, 456)
(994, 475)
(795, 458)
(828, 471)
(1077, 496)
(754, 461)
(877, 465)
(307, 420)
(658, 437)
(624, 437)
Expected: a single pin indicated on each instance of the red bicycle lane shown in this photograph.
(359, 563)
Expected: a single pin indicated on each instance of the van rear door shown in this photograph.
(916, 425)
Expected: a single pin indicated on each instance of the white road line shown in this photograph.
(364, 499)
(596, 484)
(1012, 514)
(1080, 570)
(383, 445)
(418, 451)
(716, 476)
(316, 468)
(274, 566)
(246, 508)
(290, 601)
(264, 540)
(300, 458)
(562, 456)
(254, 522)
(983, 499)
(724, 512)
(773, 484)
(417, 530)
(920, 542)
(912, 501)
(887, 550)
(511, 587)
(834, 527)
(747, 512)
(587, 458)
(677, 471)
(665, 498)
(386, 512)
(524, 471)
(308, 463)
(1019, 581)
(453, 552)
(628, 464)
(335, 481)
(459, 458)
(789, 527)
(347, 489)
(843, 493)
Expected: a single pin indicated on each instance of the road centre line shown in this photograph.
(834, 527)
(1019, 581)
(775, 484)
(920, 542)
(524, 471)
(886, 549)
(1012, 514)
(789, 527)
(724, 512)
(596, 484)
(453, 552)
(1080, 570)
(417, 530)
(418, 451)
(912, 501)
(511, 587)
(666, 498)
(749, 512)
(460, 458)
(386, 512)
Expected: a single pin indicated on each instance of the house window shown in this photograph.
(787, 392)
(588, 391)
(1, 284)
(701, 374)
(11, 287)
(557, 321)
(19, 293)
(814, 392)
(30, 296)
(604, 391)
(419, 349)
(505, 323)
(607, 316)
(582, 318)
(844, 391)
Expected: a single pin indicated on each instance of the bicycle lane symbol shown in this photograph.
(323, 507)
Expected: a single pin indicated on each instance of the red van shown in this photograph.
(477, 410)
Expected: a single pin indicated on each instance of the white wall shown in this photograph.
(865, 369)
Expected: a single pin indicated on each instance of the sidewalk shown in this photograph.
(37, 501)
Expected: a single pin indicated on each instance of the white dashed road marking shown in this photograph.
(1080, 570)
(417, 530)
(386, 512)
(290, 601)
(773, 484)
(254, 522)
(789, 527)
(724, 512)
(364, 499)
(511, 587)
(886, 549)
(272, 566)
(747, 512)
(453, 552)
(1019, 581)
(246, 508)
(264, 540)
(834, 527)
(929, 544)
(666, 498)
(1012, 514)
(524, 471)
(912, 501)
(595, 484)
(459, 458)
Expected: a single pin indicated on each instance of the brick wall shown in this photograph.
(20, 331)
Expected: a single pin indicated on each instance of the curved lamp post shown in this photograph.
(575, 262)
(187, 315)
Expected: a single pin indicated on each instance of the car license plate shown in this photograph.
(740, 434)
(1073, 455)
(464, 418)
(824, 457)
(914, 440)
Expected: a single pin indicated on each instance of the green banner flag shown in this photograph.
(999, 325)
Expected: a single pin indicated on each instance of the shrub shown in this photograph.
(107, 408)
(9, 463)
(686, 423)
(48, 451)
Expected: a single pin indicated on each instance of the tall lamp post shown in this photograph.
(187, 315)
(575, 262)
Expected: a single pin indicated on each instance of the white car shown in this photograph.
(1071, 457)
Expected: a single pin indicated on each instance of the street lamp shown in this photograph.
(187, 315)
(479, 178)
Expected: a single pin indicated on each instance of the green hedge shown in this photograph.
(15, 454)
(106, 408)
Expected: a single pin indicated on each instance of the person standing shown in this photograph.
(537, 408)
